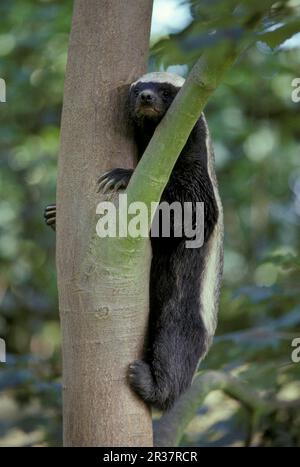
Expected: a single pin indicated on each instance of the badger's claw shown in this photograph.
(50, 216)
(115, 179)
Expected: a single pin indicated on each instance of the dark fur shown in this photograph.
(177, 337)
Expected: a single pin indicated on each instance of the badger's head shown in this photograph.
(151, 96)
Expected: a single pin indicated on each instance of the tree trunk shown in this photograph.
(103, 304)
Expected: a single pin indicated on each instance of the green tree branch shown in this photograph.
(169, 430)
(156, 165)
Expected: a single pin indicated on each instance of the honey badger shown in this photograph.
(184, 282)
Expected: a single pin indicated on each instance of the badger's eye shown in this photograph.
(165, 93)
(136, 92)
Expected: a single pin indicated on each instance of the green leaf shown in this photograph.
(275, 38)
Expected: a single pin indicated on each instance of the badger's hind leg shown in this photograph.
(181, 325)
(141, 380)
(168, 371)
(156, 393)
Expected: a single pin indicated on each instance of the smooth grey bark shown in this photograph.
(103, 309)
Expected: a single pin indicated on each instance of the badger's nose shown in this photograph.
(147, 97)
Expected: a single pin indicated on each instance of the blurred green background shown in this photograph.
(256, 133)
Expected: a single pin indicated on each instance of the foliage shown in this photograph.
(256, 137)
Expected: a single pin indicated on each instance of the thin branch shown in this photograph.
(156, 165)
(169, 430)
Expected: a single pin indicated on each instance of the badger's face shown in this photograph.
(149, 100)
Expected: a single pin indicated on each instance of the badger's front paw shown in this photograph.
(115, 179)
(50, 216)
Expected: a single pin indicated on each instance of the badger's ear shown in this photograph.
(134, 89)
(131, 89)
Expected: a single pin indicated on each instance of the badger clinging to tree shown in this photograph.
(184, 282)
